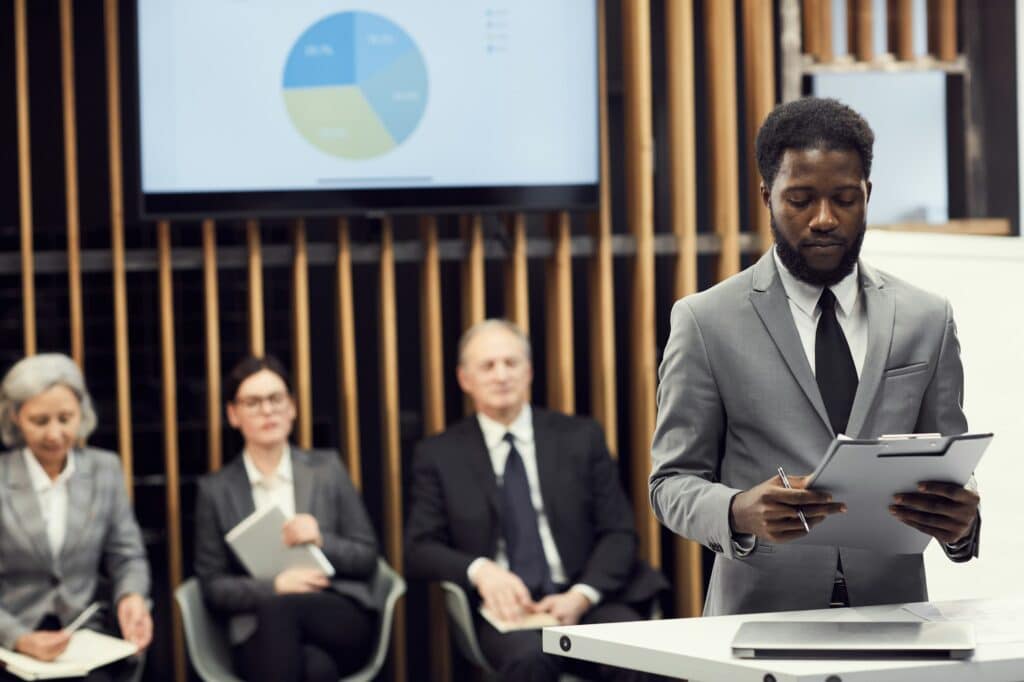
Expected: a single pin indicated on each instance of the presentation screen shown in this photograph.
(267, 107)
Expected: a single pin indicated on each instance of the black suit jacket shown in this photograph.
(454, 510)
(322, 489)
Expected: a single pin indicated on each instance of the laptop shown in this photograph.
(859, 640)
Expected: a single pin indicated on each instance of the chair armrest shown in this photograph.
(459, 613)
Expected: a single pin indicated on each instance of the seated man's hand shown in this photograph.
(769, 509)
(302, 529)
(568, 607)
(44, 645)
(134, 620)
(945, 511)
(503, 592)
(300, 581)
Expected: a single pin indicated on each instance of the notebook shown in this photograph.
(86, 651)
(886, 640)
(258, 544)
(530, 621)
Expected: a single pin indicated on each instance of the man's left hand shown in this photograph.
(945, 511)
(134, 619)
(568, 607)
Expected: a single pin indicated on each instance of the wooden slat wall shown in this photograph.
(211, 315)
(517, 286)
(901, 28)
(636, 48)
(603, 384)
(67, 80)
(679, 62)
(559, 356)
(474, 301)
(348, 391)
(257, 342)
(300, 335)
(859, 29)
(942, 29)
(759, 87)
(28, 287)
(810, 17)
(391, 454)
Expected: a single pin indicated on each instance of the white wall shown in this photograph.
(983, 277)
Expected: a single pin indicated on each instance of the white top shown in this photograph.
(498, 448)
(277, 488)
(53, 497)
(850, 312)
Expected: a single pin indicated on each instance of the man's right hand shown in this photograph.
(769, 509)
(44, 645)
(300, 580)
(504, 594)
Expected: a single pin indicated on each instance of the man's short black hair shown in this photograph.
(812, 123)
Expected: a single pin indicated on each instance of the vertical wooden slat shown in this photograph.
(28, 285)
(124, 399)
(517, 287)
(348, 388)
(900, 15)
(860, 29)
(170, 414)
(636, 49)
(825, 52)
(300, 336)
(679, 61)
(561, 368)
(257, 344)
(759, 70)
(474, 302)
(67, 78)
(810, 15)
(942, 29)
(390, 444)
(211, 319)
(722, 133)
(601, 276)
(432, 345)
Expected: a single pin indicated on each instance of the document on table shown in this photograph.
(996, 621)
(86, 651)
(865, 474)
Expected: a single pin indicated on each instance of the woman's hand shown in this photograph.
(44, 645)
(300, 580)
(134, 619)
(302, 529)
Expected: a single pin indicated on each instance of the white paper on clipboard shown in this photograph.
(865, 474)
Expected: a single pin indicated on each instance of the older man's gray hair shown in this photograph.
(34, 375)
(491, 323)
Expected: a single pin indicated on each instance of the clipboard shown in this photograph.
(865, 474)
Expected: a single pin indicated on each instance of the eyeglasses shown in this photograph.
(254, 403)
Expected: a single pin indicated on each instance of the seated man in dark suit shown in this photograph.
(524, 509)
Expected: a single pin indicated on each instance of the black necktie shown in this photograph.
(833, 365)
(519, 522)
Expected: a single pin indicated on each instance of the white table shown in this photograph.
(699, 648)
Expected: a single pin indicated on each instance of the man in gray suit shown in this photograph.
(766, 368)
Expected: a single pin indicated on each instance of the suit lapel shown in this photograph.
(81, 493)
(881, 311)
(239, 490)
(480, 463)
(545, 445)
(302, 475)
(769, 300)
(26, 505)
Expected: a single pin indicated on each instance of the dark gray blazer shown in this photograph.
(102, 535)
(737, 398)
(322, 489)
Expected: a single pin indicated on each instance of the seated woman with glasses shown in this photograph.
(65, 520)
(300, 625)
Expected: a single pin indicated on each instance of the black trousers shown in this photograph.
(316, 637)
(518, 655)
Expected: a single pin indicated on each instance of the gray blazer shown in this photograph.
(737, 398)
(102, 535)
(322, 489)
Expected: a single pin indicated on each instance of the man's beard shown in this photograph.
(795, 263)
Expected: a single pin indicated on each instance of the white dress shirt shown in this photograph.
(498, 448)
(52, 495)
(276, 488)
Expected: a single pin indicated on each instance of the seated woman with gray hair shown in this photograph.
(65, 518)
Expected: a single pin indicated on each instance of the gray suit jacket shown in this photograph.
(102, 535)
(322, 489)
(737, 398)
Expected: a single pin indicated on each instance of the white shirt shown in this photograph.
(276, 488)
(52, 495)
(850, 312)
(498, 448)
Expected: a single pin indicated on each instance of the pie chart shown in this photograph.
(355, 85)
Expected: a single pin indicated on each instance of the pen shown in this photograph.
(785, 482)
(83, 617)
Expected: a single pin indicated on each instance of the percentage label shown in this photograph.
(380, 39)
(319, 50)
(405, 96)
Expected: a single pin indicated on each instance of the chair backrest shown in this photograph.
(207, 646)
(459, 614)
(395, 587)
